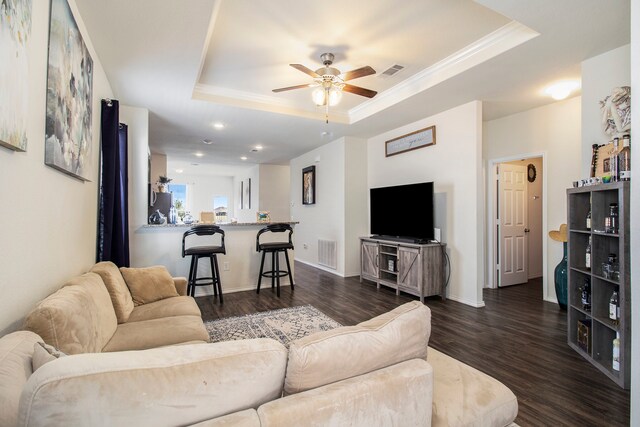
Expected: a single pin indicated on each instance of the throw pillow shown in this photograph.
(149, 284)
(330, 356)
(118, 290)
(44, 353)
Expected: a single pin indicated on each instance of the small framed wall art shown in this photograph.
(411, 141)
(309, 185)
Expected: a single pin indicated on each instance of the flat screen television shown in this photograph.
(402, 212)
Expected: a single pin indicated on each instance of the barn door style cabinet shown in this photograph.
(599, 298)
(417, 269)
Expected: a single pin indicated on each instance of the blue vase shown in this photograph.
(560, 275)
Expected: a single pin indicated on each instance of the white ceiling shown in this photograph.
(217, 61)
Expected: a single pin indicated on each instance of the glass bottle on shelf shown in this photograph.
(614, 309)
(615, 365)
(587, 256)
(611, 226)
(588, 220)
(613, 160)
(586, 295)
(624, 159)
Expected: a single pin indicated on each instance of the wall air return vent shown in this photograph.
(391, 71)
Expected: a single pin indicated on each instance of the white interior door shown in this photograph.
(512, 220)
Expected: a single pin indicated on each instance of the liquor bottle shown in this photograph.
(587, 256)
(588, 221)
(614, 311)
(616, 353)
(613, 160)
(624, 159)
(586, 295)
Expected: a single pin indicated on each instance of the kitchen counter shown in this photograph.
(162, 245)
(220, 224)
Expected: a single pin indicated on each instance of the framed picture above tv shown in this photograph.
(309, 185)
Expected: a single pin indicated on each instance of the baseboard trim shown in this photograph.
(205, 292)
(320, 267)
(475, 304)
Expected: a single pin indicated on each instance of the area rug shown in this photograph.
(284, 325)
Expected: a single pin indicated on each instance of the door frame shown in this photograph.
(491, 212)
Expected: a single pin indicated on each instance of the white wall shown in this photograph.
(137, 121)
(635, 214)
(356, 202)
(325, 218)
(201, 189)
(48, 220)
(600, 75)
(553, 129)
(536, 236)
(275, 191)
(247, 215)
(454, 165)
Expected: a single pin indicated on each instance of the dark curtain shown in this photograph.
(113, 219)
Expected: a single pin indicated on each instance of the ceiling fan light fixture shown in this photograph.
(318, 96)
(335, 95)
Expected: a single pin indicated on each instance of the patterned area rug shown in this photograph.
(284, 325)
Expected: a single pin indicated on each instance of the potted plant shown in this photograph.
(162, 183)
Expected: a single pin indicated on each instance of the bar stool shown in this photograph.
(275, 248)
(209, 251)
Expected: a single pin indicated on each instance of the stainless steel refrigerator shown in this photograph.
(160, 201)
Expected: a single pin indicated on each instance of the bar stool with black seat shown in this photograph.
(205, 251)
(275, 248)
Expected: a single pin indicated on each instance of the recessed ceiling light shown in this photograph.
(326, 134)
(198, 154)
(207, 141)
(218, 125)
(258, 147)
(562, 90)
(179, 171)
(243, 158)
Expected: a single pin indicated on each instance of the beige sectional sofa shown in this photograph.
(95, 313)
(377, 373)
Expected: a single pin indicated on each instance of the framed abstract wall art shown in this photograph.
(68, 133)
(15, 35)
(309, 185)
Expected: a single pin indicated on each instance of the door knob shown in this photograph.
(526, 230)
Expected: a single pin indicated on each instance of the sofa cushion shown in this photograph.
(157, 333)
(464, 396)
(175, 306)
(330, 356)
(118, 290)
(78, 318)
(164, 386)
(16, 350)
(391, 396)
(149, 284)
(44, 353)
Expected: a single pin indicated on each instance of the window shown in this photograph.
(179, 192)
(221, 208)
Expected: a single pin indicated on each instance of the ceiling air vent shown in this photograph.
(391, 71)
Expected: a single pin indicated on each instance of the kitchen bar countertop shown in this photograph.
(221, 224)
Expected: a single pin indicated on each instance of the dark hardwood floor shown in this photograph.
(517, 338)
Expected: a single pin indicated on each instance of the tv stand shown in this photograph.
(415, 268)
(415, 240)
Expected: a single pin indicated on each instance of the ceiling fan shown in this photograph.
(330, 82)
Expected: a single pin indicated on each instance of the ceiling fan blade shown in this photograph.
(282, 89)
(359, 90)
(305, 70)
(357, 73)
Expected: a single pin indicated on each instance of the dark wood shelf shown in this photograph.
(597, 199)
